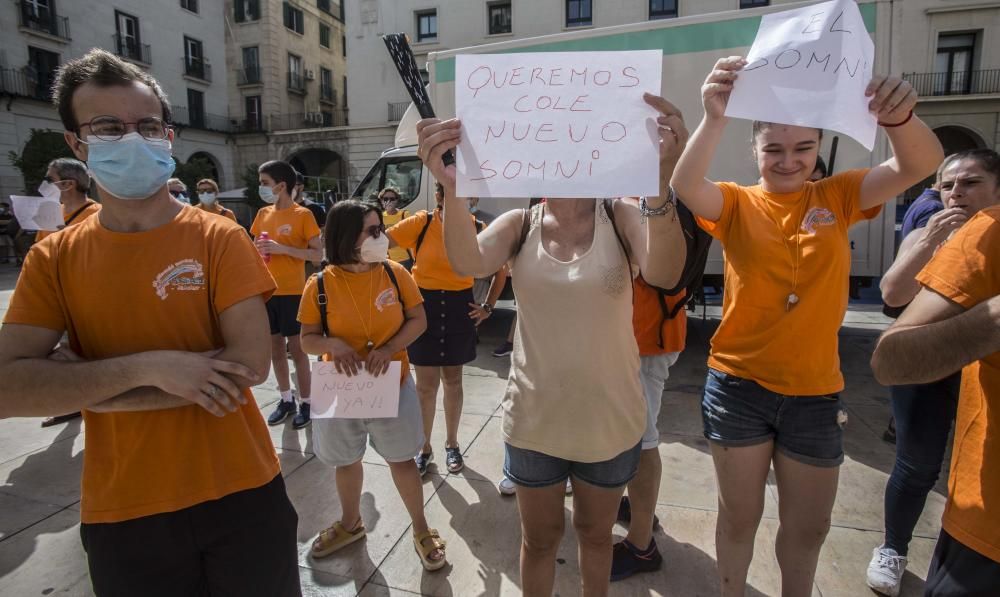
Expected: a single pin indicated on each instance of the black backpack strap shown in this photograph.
(392, 278)
(423, 233)
(480, 225)
(77, 212)
(321, 299)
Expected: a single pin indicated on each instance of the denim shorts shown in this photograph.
(534, 469)
(737, 412)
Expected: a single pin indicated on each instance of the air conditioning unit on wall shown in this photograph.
(310, 75)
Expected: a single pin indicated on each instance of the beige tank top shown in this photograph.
(574, 389)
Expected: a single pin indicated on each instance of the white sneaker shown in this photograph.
(885, 572)
(506, 487)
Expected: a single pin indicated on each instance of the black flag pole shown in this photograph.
(406, 64)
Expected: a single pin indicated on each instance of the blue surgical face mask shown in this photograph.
(132, 167)
(266, 194)
(206, 198)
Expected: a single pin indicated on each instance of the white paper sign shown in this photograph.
(361, 396)
(810, 67)
(557, 124)
(38, 213)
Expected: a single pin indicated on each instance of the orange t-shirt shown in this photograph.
(788, 351)
(119, 294)
(431, 268)
(648, 321)
(355, 299)
(293, 226)
(219, 211)
(966, 271)
(90, 208)
(396, 253)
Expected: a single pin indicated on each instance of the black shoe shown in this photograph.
(627, 559)
(301, 418)
(890, 432)
(423, 461)
(454, 459)
(281, 412)
(504, 349)
(625, 513)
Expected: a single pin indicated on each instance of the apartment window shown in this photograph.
(427, 25)
(191, 5)
(194, 58)
(295, 79)
(579, 13)
(246, 10)
(42, 66)
(499, 17)
(343, 45)
(327, 118)
(127, 40)
(754, 3)
(251, 66)
(326, 84)
(196, 108)
(955, 53)
(254, 116)
(662, 9)
(323, 5)
(324, 35)
(293, 18)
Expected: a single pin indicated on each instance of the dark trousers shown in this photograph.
(924, 415)
(239, 545)
(957, 571)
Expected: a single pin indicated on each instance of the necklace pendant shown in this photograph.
(793, 299)
(370, 345)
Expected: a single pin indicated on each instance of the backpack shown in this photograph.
(697, 241)
(321, 294)
(423, 232)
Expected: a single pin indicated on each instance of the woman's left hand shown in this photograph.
(378, 361)
(477, 313)
(892, 98)
(670, 124)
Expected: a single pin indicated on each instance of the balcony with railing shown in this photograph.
(396, 110)
(327, 94)
(197, 68)
(973, 82)
(250, 75)
(130, 49)
(43, 20)
(182, 116)
(296, 82)
(307, 120)
(27, 82)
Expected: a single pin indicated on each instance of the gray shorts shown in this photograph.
(340, 442)
(654, 370)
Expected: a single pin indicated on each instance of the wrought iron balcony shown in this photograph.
(43, 20)
(128, 47)
(27, 82)
(248, 76)
(182, 116)
(327, 94)
(197, 68)
(308, 120)
(973, 82)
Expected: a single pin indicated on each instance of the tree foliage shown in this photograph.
(42, 147)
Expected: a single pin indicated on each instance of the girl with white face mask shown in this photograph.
(208, 193)
(373, 311)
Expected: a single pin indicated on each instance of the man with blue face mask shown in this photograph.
(164, 307)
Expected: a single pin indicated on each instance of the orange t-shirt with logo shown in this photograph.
(966, 270)
(90, 208)
(293, 226)
(649, 322)
(118, 294)
(219, 211)
(362, 307)
(790, 351)
(431, 268)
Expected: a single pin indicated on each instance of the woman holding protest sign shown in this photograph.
(570, 409)
(772, 393)
(361, 312)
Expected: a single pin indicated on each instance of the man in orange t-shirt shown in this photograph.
(292, 239)
(954, 323)
(164, 307)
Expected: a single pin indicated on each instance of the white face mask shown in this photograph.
(375, 250)
(207, 198)
(49, 190)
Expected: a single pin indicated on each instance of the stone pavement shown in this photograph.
(40, 552)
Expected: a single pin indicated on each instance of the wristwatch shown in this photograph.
(487, 307)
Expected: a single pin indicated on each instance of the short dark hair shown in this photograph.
(821, 166)
(280, 172)
(103, 69)
(987, 159)
(299, 179)
(344, 223)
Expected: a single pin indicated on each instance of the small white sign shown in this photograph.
(362, 396)
(557, 124)
(810, 67)
(38, 213)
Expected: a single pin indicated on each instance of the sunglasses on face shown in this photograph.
(375, 231)
(62, 184)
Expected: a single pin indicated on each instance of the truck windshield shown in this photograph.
(403, 173)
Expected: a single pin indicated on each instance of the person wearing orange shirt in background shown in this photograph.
(67, 179)
(373, 312)
(292, 239)
(389, 199)
(772, 393)
(208, 199)
(164, 306)
(954, 323)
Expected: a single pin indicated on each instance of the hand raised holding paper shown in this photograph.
(719, 84)
(892, 99)
(435, 137)
(673, 133)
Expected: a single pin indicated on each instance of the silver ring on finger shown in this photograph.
(213, 390)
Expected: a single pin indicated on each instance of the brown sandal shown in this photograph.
(335, 538)
(425, 551)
